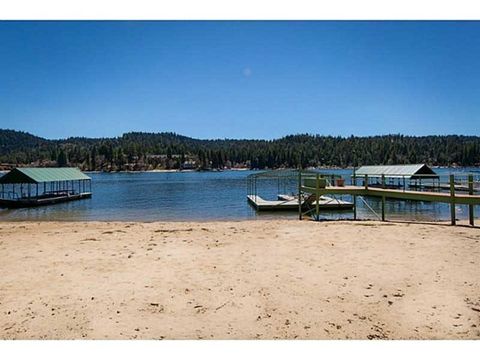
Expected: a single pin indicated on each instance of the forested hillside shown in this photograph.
(148, 151)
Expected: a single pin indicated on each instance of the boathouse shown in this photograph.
(26, 187)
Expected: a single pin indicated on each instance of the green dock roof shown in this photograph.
(40, 175)
(397, 171)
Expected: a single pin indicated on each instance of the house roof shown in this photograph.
(40, 175)
(419, 171)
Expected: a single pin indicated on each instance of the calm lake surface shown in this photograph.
(151, 196)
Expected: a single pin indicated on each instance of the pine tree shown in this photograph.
(62, 160)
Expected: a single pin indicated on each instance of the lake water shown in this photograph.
(179, 196)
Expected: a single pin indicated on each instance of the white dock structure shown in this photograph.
(288, 202)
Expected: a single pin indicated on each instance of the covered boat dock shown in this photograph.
(27, 187)
(397, 176)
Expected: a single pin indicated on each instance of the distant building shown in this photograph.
(189, 165)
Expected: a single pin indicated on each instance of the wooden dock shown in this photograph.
(290, 203)
(461, 199)
(43, 200)
(458, 187)
(316, 187)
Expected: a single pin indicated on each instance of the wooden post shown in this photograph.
(452, 199)
(366, 182)
(317, 198)
(471, 207)
(383, 198)
(299, 195)
(354, 207)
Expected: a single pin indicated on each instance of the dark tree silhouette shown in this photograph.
(142, 151)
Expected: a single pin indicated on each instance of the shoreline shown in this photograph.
(462, 223)
(253, 279)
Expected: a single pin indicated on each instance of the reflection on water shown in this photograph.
(205, 196)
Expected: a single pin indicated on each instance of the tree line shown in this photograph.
(149, 151)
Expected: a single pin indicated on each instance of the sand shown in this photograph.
(276, 279)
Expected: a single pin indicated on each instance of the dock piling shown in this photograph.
(354, 207)
(452, 199)
(317, 198)
(471, 207)
(383, 198)
(300, 195)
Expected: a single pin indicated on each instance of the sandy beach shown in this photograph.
(275, 279)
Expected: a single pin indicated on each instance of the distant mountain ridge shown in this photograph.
(167, 150)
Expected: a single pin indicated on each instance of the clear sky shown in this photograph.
(240, 79)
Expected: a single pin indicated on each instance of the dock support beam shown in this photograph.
(317, 198)
(383, 198)
(299, 195)
(366, 182)
(452, 199)
(471, 214)
(354, 207)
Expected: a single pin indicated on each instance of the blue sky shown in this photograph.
(240, 79)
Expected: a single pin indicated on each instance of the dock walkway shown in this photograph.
(451, 197)
(444, 197)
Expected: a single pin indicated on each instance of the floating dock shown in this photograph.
(29, 187)
(290, 203)
(42, 200)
